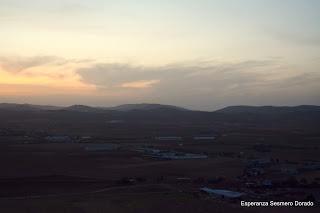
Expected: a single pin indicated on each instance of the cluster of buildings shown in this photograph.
(210, 137)
(269, 178)
(67, 139)
(59, 139)
(101, 147)
(222, 193)
(170, 155)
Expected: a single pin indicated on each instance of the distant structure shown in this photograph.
(267, 183)
(179, 156)
(58, 139)
(204, 138)
(221, 193)
(115, 121)
(169, 138)
(260, 163)
(170, 155)
(101, 147)
(84, 139)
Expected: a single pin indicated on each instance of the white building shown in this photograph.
(169, 138)
(204, 138)
(222, 193)
(58, 139)
(101, 147)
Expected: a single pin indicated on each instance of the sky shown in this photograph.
(204, 54)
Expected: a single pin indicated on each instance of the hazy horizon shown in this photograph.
(201, 55)
(192, 109)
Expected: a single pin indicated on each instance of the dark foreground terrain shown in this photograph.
(155, 158)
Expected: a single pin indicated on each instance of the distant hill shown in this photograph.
(83, 118)
(268, 109)
(27, 107)
(144, 106)
(303, 117)
(242, 109)
(82, 108)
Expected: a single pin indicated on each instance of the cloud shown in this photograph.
(174, 76)
(33, 90)
(110, 75)
(198, 85)
(139, 84)
(303, 79)
(18, 64)
(41, 75)
(202, 84)
(298, 38)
